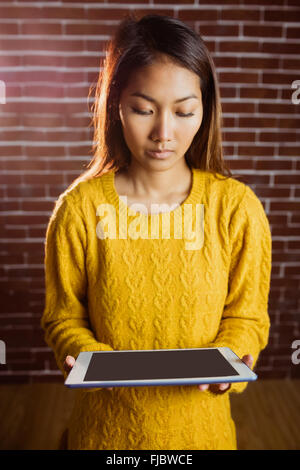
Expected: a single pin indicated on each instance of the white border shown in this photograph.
(77, 374)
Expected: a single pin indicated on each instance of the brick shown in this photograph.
(14, 12)
(277, 108)
(61, 12)
(274, 165)
(292, 271)
(255, 150)
(267, 192)
(40, 28)
(288, 151)
(43, 121)
(40, 60)
(7, 232)
(27, 191)
(8, 28)
(240, 46)
(241, 164)
(285, 231)
(240, 15)
(23, 165)
(239, 136)
(9, 206)
(279, 48)
(238, 107)
(263, 31)
(198, 15)
(281, 15)
(218, 30)
(260, 63)
(277, 136)
(287, 179)
(88, 28)
(290, 63)
(45, 151)
(49, 178)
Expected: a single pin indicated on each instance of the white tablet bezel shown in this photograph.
(77, 374)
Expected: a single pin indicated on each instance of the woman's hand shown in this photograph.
(69, 363)
(247, 359)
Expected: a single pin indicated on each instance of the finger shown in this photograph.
(203, 387)
(248, 360)
(71, 360)
(223, 386)
(220, 387)
(69, 363)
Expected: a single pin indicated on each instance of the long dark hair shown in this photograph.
(137, 43)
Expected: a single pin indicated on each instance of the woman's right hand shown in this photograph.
(69, 363)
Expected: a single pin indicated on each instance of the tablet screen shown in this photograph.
(166, 364)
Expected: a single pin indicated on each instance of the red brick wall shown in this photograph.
(49, 57)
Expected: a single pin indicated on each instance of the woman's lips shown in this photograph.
(160, 155)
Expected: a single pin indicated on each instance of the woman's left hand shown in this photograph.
(247, 359)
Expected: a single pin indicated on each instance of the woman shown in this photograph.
(112, 286)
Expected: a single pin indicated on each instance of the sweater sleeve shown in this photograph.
(245, 322)
(65, 318)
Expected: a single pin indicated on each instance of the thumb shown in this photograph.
(69, 363)
(248, 360)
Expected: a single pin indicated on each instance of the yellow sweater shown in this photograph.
(150, 291)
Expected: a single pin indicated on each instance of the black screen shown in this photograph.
(166, 364)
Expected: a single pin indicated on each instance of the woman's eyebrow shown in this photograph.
(148, 98)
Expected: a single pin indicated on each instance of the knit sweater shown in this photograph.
(113, 284)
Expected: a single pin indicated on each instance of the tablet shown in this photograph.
(134, 368)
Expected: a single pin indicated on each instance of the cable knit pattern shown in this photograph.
(138, 291)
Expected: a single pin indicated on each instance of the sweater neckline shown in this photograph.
(112, 196)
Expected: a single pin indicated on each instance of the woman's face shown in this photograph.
(156, 121)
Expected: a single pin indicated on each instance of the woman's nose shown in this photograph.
(163, 128)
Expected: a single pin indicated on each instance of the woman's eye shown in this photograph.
(140, 112)
(186, 115)
(144, 113)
